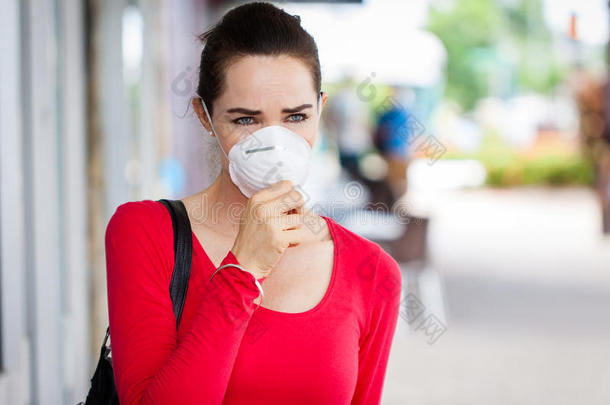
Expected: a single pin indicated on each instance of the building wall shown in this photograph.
(43, 211)
(84, 127)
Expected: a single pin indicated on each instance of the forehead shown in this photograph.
(254, 81)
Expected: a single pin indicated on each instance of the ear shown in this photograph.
(203, 118)
(324, 98)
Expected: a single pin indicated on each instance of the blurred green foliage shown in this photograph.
(508, 166)
(495, 48)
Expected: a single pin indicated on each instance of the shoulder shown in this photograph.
(142, 218)
(136, 212)
(139, 237)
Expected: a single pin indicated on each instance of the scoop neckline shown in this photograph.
(329, 290)
(319, 305)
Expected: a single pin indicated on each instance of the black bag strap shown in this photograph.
(183, 252)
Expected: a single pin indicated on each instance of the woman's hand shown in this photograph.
(271, 222)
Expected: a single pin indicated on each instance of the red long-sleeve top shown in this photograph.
(226, 351)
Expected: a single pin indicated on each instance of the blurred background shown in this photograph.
(469, 138)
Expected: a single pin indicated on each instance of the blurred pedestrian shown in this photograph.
(347, 120)
(392, 138)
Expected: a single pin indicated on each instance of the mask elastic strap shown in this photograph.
(212, 125)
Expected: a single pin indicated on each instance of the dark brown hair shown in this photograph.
(256, 28)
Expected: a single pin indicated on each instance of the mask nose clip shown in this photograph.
(261, 149)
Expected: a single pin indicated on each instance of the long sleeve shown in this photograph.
(376, 344)
(150, 365)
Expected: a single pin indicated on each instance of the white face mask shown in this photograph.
(266, 156)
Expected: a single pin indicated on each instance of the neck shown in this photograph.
(222, 204)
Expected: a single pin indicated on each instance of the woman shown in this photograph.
(331, 297)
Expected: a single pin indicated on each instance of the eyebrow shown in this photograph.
(256, 112)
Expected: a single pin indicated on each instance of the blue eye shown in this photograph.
(239, 122)
(302, 117)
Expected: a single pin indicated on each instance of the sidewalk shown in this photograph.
(526, 277)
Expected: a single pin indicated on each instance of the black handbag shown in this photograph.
(103, 389)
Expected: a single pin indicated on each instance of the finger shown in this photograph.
(284, 203)
(296, 236)
(301, 209)
(296, 210)
(287, 221)
(274, 190)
